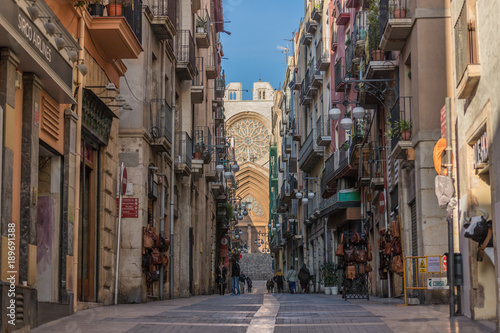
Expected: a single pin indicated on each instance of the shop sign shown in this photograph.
(437, 283)
(35, 38)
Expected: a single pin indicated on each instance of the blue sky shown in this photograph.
(257, 28)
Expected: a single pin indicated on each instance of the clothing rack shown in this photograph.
(356, 288)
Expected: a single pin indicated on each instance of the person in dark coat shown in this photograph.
(304, 278)
(221, 274)
(279, 278)
(235, 274)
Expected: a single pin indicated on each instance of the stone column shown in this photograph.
(32, 87)
(68, 204)
(249, 239)
(8, 65)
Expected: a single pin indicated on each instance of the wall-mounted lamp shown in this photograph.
(82, 68)
(110, 86)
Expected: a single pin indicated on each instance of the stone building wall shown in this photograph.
(257, 266)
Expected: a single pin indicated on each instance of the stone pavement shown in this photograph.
(265, 313)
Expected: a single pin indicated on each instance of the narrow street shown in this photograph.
(262, 312)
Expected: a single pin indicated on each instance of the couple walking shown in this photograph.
(293, 277)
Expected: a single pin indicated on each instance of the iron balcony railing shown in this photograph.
(465, 43)
(160, 114)
(322, 127)
(220, 86)
(339, 72)
(183, 149)
(131, 10)
(296, 128)
(393, 9)
(333, 165)
(324, 56)
(185, 48)
(165, 8)
(401, 122)
(198, 72)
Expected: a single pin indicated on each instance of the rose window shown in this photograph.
(251, 140)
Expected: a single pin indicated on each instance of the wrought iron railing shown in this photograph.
(465, 43)
(131, 10)
(307, 147)
(198, 72)
(401, 122)
(97, 117)
(220, 87)
(322, 127)
(185, 48)
(165, 8)
(339, 71)
(160, 119)
(183, 149)
(393, 9)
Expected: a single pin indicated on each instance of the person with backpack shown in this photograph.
(304, 278)
(292, 278)
(280, 280)
(235, 274)
(242, 280)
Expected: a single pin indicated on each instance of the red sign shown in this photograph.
(130, 207)
(443, 122)
(381, 203)
(124, 181)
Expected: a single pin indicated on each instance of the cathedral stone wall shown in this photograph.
(257, 266)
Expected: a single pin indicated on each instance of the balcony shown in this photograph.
(304, 98)
(219, 116)
(317, 12)
(197, 88)
(306, 39)
(377, 171)
(220, 87)
(161, 126)
(211, 175)
(343, 200)
(315, 78)
(183, 153)
(323, 133)
(343, 13)
(118, 35)
(334, 40)
(97, 118)
(211, 66)
(287, 143)
(202, 35)
(296, 128)
(336, 167)
(397, 26)
(186, 66)
(164, 18)
(311, 90)
(323, 62)
(339, 72)
(401, 128)
(311, 26)
(310, 153)
(467, 67)
(296, 81)
(381, 64)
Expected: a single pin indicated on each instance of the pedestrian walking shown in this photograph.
(292, 278)
(304, 278)
(249, 284)
(221, 274)
(280, 280)
(235, 274)
(270, 285)
(242, 279)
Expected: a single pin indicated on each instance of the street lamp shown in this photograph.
(334, 113)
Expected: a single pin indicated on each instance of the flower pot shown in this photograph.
(328, 290)
(96, 9)
(377, 55)
(399, 13)
(115, 9)
(405, 135)
(335, 290)
(197, 155)
(200, 30)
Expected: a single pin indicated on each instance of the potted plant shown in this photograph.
(96, 8)
(115, 7)
(403, 128)
(330, 278)
(399, 12)
(198, 149)
(201, 24)
(374, 33)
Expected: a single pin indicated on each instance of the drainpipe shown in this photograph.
(78, 153)
(172, 181)
(162, 203)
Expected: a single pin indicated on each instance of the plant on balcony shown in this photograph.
(330, 274)
(374, 33)
(201, 24)
(96, 8)
(198, 149)
(345, 145)
(398, 12)
(403, 127)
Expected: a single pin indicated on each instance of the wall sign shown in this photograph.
(130, 207)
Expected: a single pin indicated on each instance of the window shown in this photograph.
(465, 39)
